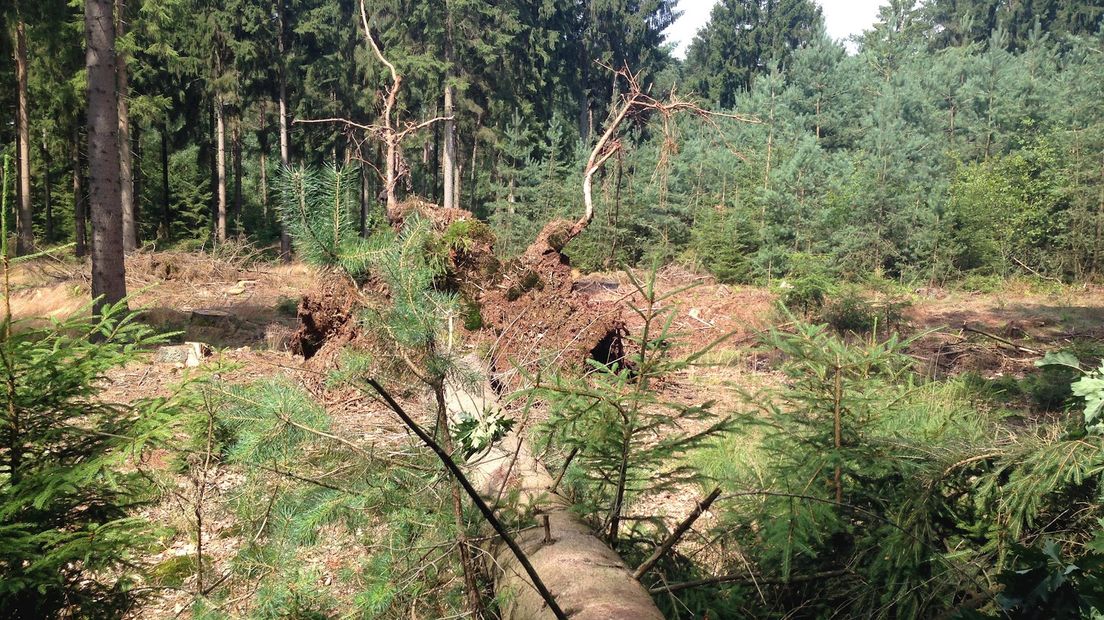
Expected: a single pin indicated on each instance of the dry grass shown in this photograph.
(35, 307)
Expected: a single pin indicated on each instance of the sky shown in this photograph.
(842, 17)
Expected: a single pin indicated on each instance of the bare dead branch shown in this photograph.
(484, 509)
(1004, 341)
(637, 104)
(343, 121)
(677, 534)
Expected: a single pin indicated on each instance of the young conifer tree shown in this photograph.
(67, 531)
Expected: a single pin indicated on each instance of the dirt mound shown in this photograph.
(327, 318)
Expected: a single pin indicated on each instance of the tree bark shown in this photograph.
(108, 269)
(285, 147)
(236, 151)
(220, 165)
(126, 161)
(24, 242)
(448, 155)
(47, 204)
(79, 206)
(364, 194)
(166, 196)
(262, 143)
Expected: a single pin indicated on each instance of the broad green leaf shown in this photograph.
(1059, 358)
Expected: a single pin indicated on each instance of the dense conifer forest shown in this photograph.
(463, 309)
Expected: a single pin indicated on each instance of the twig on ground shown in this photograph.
(967, 328)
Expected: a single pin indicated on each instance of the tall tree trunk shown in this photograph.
(24, 242)
(262, 142)
(47, 204)
(285, 147)
(448, 155)
(166, 196)
(458, 177)
(220, 165)
(108, 268)
(436, 193)
(79, 205)
(126, 161)
(236, 151)
(137, 180)
(212, 169)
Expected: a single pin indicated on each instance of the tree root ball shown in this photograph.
(327, 318)
(527, 310)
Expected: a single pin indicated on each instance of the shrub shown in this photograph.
(628, 438)
(806, 293)
(1049, 388)
(851, 311)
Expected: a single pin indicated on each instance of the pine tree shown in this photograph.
(623, 437)
(746, 38)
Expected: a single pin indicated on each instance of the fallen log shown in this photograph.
(587, 578)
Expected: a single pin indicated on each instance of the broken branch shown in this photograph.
(1005, 341)
(484, 509)
(676, 535)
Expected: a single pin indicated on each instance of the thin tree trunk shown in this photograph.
(209, 154)
(126, 162)
(448, 159)
(1099, 232)
(108, 268)
(166, 196)
(475, 152)
(285, 147)
(458, 177)
(79, 206)
(47, 203)
(220, 164)
(262, 142)
(24, 242)
(137, 179)
(236, 151)
(448, 156)
(770, 143)
(471, 580)
(437, 192)
(364, 194)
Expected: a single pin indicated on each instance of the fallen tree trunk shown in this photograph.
(587, 578)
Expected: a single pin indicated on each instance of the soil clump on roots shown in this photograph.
(526, 310)
(327, 318)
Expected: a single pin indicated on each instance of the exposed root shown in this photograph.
(327, 318)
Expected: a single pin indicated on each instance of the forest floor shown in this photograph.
(245, 310)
